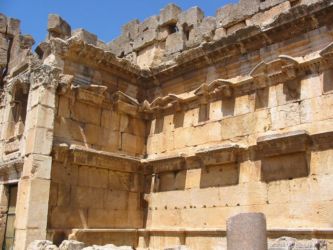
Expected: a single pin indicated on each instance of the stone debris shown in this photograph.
(71, 245)
(108, 247)
(41, 245)
(287, 243)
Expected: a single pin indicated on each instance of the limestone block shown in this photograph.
(69, 130)
(37, 166)
(120, 46)
(63, 174)
(40, 116)
(42, 95)
(88, 176)
(215, 111)
(269, 3)
(71, 245)
(32, 205)
(247, 231)
(321, 162)
(266, 17)
(131, 29)
(316, 109)
(98, 218)
(63, 195)
(193, 178)
(283, 243)
(176, 248)
(3, 57)
(313, 244)
(147, 32)
(169, 14)
(87, 197)
(132, 144)
(174, 43)
(39, 245)
(243, 105)
(191, 17)
(63, 107)
(116, 200)
(258, 121)
(109, 140)
(3, 23)
(39, 141)
(80, 113)
(207, 28)
(13, 27)
(108, 247)
(285, 116)
(220, 33)
(85, 36)
(62, 217)
(57, 27)
(24, 237)
(234, 13)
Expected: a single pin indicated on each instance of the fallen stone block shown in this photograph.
(40, 245)
(71, 245)
(108, 247)
(176, 248)
(283, 243)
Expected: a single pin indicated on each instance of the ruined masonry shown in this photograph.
(155, 139)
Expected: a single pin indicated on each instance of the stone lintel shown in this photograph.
(287, 143)
(90, 157)
(219, 155)
(12, 165)
(166, 164)
(90, 96)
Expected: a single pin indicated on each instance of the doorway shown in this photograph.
(10, 229)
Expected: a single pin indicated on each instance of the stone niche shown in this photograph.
(212, 167)
(221, 167)
(284, 156)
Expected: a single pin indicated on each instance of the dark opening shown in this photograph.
(187, 30)
(172, 28)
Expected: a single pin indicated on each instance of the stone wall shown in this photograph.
(91, 189)
(156, 138)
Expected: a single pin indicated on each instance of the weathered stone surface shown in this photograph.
(131, 29)
(169, 14)
(108, 247)
(3, 23)
(58, 27)
(71, 245)
(191, 17)
(85, 36)
(174, 43)
(40, 245)
(176, 248)
(235, 13)
(247, 231)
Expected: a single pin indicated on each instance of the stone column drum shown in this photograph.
(247, 231)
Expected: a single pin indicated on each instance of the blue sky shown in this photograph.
(102, 17)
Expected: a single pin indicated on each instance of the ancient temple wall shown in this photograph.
(88, 117)
(197, 190)
(93, 190)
